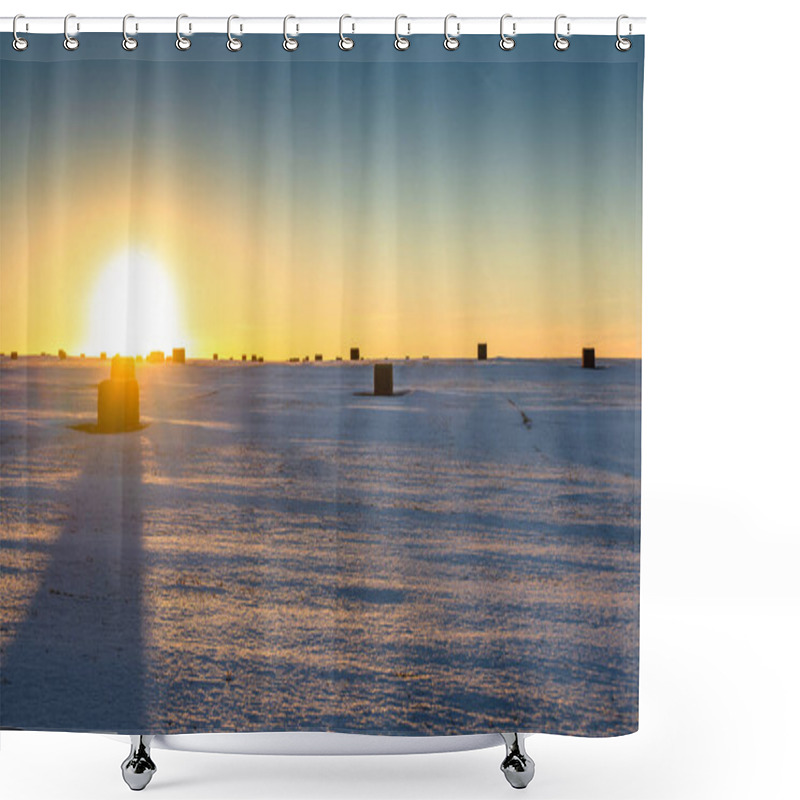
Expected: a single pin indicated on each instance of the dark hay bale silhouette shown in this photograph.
(383, 379)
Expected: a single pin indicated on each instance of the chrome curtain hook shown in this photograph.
(70, 42)
(622, 44)
(507, 42)
(451, 42)
(128, 42)
(289, 44)
(18, 43)
(181, 42)
(560, 43)
(401, 42)
(233, 44)
(345, 43)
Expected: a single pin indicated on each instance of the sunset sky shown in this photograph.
(292, 204)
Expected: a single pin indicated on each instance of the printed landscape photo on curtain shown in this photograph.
(320, 386)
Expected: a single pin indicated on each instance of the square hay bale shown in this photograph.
(383, 379)
(355, 354)
(587, 360)
(14, 355)
(482, 351)
(178, 355)
(117, 405)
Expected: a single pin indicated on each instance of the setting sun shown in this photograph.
(133, 308)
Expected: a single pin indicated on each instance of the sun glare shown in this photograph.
(134, 308)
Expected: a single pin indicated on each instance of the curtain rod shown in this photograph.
(301, 25)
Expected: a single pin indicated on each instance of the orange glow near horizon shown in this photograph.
(219, 281)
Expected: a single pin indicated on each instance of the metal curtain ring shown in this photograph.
(128, 42)
(622, 44)
(401, 42)
(451, 42)
(289, 44)
(18, 43)
(181, 42)
(560, 43)
(70, 42)
(233, 44)
(507, 42)
(345, 43)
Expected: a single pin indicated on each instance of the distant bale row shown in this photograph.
(588, 358)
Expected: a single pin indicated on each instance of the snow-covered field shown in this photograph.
(275, 552)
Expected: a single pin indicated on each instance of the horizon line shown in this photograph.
(311, 359)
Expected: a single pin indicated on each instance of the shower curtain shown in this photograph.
(320, 385)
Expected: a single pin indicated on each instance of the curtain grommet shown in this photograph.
(622, 44)
(401, 42)
(70, 42)
(290, 44)
(18, 43)
(182, 42)
(233, 44)
(129, 43)
(507, 42)
(560, 43)
(451, 42)
(345, 42)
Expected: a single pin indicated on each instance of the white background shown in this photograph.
(720, 705)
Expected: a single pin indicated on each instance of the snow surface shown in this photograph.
(273, 551)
